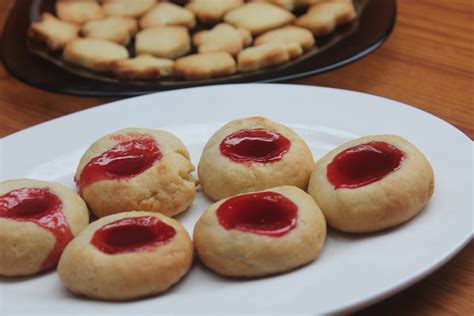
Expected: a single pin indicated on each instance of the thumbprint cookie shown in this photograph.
(372, 183)
(260, 233)
(37, 220)
(126, 256)
(136, 169)
(253, 154)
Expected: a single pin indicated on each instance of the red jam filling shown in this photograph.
(255, 145)
(132, 234)
(263, 213)
(125, 160)
(363, 164)
(42, 207)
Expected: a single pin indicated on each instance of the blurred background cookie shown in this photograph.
(323, 18)
(143, 67)
(287, 34)
(222, 37)
(53, 32)
(212, 11)
(163, 41)
(126, 256)
(126, 8)
(167, 13)
(78, 12)
(259, 17)
(253, 154)
(136, 169)
(114, 28)
(266, 55)
(205, 66)
(372, 183)
(94, 53)
(37, 220)
(260, 233)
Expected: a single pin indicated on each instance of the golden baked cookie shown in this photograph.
(260, 233)
(143, 67)
(253, 154)
(52, 31)
(126, 256)
(259, 17)
(372, 183)
(323, 18)
(93, 53)
(289, 33)
(78, 12)
(222, 37)
(136, 169)
(37, 220)
(127, 8)
(113, 28)
(287, 4)
(163, 41)
(212, 11)
(205, 66)
(266, 55)
(167, 13)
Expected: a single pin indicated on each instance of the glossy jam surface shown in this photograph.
(255, 145)
(125, 160)
(363, 164)
(263, 213)
(42, 207)
(132, 234)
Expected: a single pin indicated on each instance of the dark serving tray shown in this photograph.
(33, 64)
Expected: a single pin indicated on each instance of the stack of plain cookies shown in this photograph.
(202, 39)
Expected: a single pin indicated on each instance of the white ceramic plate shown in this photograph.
(352, 271)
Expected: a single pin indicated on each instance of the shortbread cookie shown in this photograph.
(167, 13)
(136, 169)
(93, 53)
(223, 37)
(372, 183)
(212, 11)
(143, 67)
(52, 31)
(287, 4)
(259, 17)
(37, 220)
(78, 12)
(114, 28)
(289, 33)
(253, 154)
(264, 56)
(323, 18)
(261, 233)
(205, 66)
(127, 8)
(126, 256)
(163, 41)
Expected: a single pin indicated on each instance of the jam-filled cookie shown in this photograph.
(136, 169)
(37, 220)
(253, 154)
(260, 233)
(372, 183)
(126, 256)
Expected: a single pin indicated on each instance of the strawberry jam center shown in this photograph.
(125, 160)
(363, 164)
(255, 145)
(42, 207)
(132, 234)
(263, 213)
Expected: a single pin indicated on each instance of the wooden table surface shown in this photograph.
(427, 62)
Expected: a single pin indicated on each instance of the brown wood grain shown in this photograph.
(427, 62)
